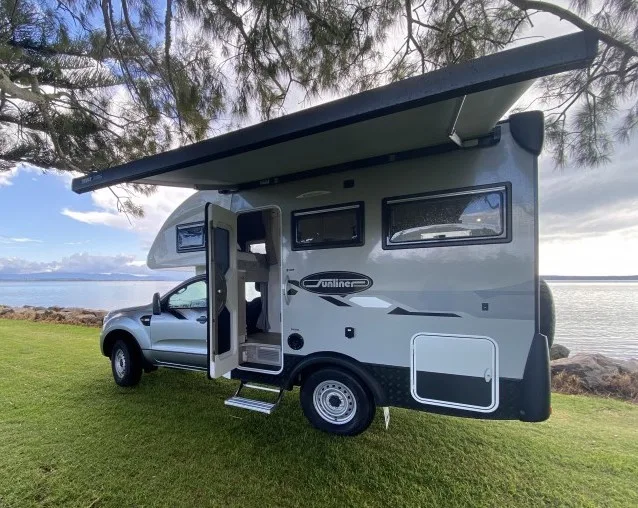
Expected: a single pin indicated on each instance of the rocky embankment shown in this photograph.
(66, 315)
(594, 374)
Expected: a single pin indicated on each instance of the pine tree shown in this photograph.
(87, 84)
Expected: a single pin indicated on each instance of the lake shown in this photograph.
(591, 317)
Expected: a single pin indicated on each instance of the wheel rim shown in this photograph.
(120, 363)
(334, 402)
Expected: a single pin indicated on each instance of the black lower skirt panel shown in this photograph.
(394, 384)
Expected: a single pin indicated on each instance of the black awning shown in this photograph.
(415, 113)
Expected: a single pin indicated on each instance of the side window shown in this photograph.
(190, 237)
(328, 227)
(476, 215)
(192, 296)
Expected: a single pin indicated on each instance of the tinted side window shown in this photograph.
(192, 296)
(328, 227)
(190, 237)
(438, 219)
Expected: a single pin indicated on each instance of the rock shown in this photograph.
(594, 372)
(87, 319)
(54, 314)
(557, 352)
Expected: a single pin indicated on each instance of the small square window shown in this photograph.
(191, 237)
(328, 227)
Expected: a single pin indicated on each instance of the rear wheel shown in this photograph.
(335, 401)
(125, 364)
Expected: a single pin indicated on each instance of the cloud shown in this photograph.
(77, 263)
(157, 208)
(8, 239)
(7, 177)
(83, 242)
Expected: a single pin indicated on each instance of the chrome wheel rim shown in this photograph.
(120, 363)
(334, 402)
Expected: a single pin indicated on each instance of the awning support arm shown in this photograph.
(452, 134)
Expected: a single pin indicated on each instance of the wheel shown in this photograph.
(125, 364)
(335, 401)
(547, 316)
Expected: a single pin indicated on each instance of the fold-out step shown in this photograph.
(252, 405)
(255, 405)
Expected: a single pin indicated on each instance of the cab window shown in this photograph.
(192, 296)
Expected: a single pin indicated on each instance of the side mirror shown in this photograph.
(157, 306)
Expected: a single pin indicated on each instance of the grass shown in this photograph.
(70, 437)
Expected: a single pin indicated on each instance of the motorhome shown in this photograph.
(379, 250)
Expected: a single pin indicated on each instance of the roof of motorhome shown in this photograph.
(415, 113)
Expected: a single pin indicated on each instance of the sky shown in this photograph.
(588, 218)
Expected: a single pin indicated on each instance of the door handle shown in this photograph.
(202, 319)
(285, 290)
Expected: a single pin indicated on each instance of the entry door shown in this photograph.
(223, 305)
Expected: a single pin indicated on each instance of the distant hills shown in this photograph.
(69, 276)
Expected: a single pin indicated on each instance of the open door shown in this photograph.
(223, 305)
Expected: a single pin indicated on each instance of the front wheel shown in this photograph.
(335, 401)
(125, 364)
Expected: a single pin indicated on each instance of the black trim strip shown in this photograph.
(335, 301)
(516, 65)
(403, 312)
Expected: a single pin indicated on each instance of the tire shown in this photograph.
(547, 314)
(126, 364)
(335, 401)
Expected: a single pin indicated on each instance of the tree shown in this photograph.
(87, 84)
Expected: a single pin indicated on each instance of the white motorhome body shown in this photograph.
(396, 241)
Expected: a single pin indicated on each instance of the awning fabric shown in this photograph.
(466, 100)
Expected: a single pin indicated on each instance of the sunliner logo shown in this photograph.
(336, 283)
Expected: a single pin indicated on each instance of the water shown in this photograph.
(104, 295)
(597, 317)
(600, 317)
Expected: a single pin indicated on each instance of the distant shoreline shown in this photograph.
(590, 278)
(141, 279)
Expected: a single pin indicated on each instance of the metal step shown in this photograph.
(252, 405)
(260, 387)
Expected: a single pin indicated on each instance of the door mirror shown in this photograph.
(157, 307)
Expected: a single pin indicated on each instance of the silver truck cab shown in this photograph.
(169, 332)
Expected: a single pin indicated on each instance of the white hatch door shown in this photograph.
(454, 371)
(223, 305)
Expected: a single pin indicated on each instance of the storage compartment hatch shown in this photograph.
(455, 371)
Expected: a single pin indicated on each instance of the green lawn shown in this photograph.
(70, 437)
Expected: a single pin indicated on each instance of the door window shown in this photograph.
(192, 296)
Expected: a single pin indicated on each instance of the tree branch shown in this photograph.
(575, 20)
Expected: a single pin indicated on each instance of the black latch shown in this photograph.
(349, 332)
(485, 306)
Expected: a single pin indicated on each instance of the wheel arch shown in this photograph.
(317, 361)
(120, 334)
